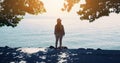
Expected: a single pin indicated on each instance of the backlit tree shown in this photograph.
(12, 11)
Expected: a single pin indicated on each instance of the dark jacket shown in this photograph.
(59, 30)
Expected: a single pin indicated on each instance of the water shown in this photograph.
(39, 32)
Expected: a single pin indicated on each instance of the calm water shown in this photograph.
(38, 32)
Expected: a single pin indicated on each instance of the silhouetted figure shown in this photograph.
(59, 33)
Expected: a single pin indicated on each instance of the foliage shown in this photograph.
(12, 11)
(70, 3)
(94, 9)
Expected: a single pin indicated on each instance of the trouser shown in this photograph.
(58, 38)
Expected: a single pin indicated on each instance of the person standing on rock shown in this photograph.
(59, 33)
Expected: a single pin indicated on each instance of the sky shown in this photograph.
(53, 8)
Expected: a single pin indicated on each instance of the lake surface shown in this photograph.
(39, 32)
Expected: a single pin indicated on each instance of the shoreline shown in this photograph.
(51, 55)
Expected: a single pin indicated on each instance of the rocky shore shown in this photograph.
(52, 55)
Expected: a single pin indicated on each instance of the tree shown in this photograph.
(94, 9)
(70, 3)
(12, 11)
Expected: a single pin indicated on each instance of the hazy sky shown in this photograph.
(53, 8)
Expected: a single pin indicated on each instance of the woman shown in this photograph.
(59, 33)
